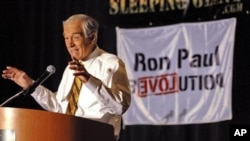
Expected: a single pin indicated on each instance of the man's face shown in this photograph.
(77, 45)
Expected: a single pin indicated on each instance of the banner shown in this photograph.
(179, 74)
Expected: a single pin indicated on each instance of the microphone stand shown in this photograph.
(11, 98)
(49, 70)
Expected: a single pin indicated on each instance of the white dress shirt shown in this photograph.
(105, 97)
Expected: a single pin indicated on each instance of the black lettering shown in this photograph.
(196, 61)
(209, 79)
(152, 64)
(182, 54)
(217, 57)
(220, 79)
(139, 59)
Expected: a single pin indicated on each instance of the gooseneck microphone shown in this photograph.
(46, 74)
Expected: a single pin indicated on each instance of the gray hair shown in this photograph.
(89, 25)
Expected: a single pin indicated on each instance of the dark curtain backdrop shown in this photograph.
(31, 39)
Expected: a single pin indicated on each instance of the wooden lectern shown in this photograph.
(38, 125)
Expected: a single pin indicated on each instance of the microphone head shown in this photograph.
(51, 69)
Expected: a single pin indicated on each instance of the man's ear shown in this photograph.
(93, 38)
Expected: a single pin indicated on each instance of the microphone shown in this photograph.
(49, 71)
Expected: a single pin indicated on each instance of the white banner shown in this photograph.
(179, 74)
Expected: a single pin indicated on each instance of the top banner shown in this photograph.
(122, 7)
(144, 13)
(179, 74)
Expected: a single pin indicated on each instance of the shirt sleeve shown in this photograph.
(47, 99)
(116, 96)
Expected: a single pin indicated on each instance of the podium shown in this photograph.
(19, 124)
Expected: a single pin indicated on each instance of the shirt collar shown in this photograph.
(91, 57)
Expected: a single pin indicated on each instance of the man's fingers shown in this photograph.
(9, 72)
